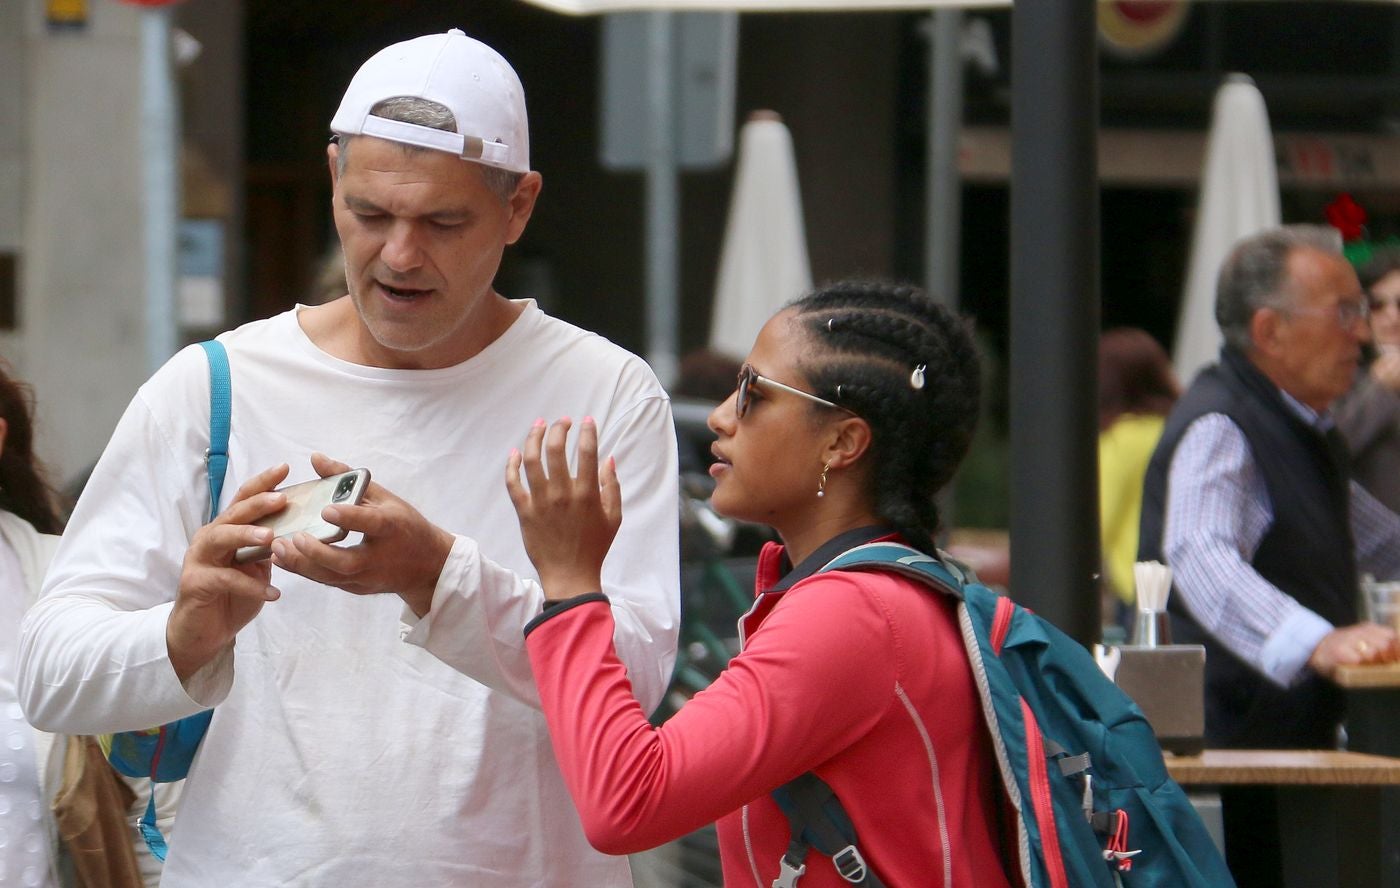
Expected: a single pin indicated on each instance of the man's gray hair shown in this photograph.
(411, 109)
(1255, 275)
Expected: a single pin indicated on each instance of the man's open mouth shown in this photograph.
(406, 293)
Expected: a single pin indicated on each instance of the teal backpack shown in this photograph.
(164, 754)
(1092, 803)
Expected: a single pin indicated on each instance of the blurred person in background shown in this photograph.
(1248, 499)
(1136, 391)
(36, 768)
(855, 407)
(1369, 414)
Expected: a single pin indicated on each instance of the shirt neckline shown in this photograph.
(833, 547)
(528, 318)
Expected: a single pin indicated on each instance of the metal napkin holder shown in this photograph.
(1168, 684)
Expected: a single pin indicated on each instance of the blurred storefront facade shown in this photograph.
(258, 80)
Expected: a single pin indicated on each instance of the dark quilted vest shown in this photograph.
(1308, 553)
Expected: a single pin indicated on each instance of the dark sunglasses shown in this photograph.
(748, 377)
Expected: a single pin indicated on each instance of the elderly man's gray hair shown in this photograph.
(410, 109)
(1255, 275)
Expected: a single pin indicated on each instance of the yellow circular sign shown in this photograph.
(1140, 27)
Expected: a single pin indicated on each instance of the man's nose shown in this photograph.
(402, 251)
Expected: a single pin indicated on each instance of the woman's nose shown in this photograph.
(721, 419)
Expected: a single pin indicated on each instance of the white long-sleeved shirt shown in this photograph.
(1217, 514)
(339, 754)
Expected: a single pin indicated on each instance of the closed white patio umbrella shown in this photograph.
(1238, 197)
(763, 260)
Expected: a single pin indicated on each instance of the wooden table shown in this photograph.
(1373, 725)
(1330, 808)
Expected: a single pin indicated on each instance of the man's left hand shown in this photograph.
(402, 552)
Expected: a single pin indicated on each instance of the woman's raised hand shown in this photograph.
(567, 522)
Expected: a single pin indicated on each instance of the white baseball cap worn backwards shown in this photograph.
(466, 76)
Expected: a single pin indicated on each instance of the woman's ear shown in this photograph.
(850, 439)
(4, 429)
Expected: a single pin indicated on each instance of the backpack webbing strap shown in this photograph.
(216, 465)
(150, 832)
(220, 413)
(901, 559)
(816, 819)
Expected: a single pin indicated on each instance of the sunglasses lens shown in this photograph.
(741, 392)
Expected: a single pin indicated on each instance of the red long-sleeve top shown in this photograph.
(861, 677)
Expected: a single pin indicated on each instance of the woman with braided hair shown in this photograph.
(855, 406)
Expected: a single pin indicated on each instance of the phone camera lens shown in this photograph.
(342, 490)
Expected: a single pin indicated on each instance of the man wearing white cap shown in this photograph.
(344, 750)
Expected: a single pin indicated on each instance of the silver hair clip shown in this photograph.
(829, 322)
(916, 379)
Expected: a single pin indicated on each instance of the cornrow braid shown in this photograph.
(909, 368)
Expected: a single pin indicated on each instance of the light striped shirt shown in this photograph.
(1218, 512)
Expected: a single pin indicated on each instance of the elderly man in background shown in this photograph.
(1249, 500)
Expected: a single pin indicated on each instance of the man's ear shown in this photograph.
(1265, 329)
(332, 158)
(522, 204)
(850, 439)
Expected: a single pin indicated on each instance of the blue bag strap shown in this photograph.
(216, 463)
(905, 560)
(220, 414)
(150, 832)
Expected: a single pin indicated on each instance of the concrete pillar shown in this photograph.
(81, 333)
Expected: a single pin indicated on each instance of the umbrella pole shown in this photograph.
(944, 211)
(1055, 313)
(662, 200)
(941, 241)
(160, 202)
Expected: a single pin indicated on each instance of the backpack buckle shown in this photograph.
(850, 865)
(788, 873)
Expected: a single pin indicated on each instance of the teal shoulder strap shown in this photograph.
(220, 413)
(816, 817)
(907, 561)
(216, 463)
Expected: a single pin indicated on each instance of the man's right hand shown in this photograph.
(1352, 646)
(217, 597)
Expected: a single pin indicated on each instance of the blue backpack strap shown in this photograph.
(816, 818)
(907, 561)
(150, 832)
(220, 414)
(216, 464)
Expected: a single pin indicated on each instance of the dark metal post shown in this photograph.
(1055, 313)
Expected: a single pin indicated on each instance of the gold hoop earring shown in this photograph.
(821, 485)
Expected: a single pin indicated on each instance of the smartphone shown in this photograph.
(303, 511)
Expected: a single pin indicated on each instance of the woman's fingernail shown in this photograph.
(588, 420)
(539, 423)
(514, 453)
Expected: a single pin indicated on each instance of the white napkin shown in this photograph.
(1154, 584)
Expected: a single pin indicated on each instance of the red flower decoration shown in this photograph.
(1347, 216)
